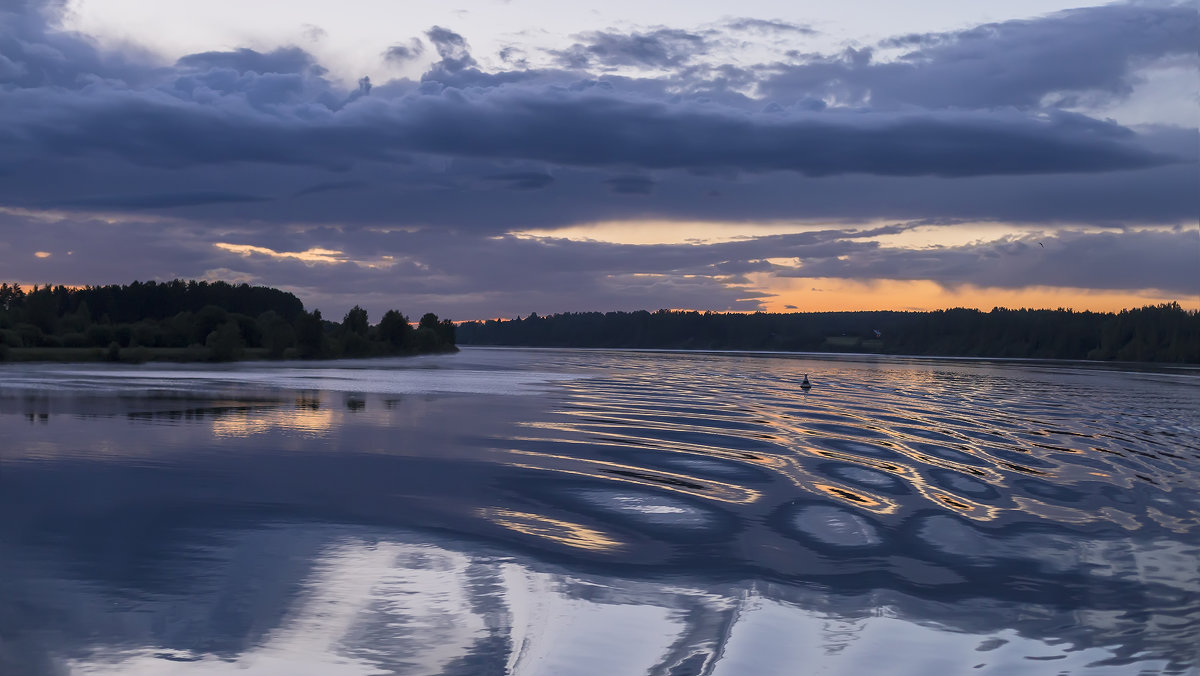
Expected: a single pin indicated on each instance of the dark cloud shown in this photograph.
(1015, 63)
(513, 56)
(522, 180)
(264, 149)
(631, 185)
(242, 61)
(452, 48)
(768, 26)
(660, 48)
(592, 130)
(405, 52)
(437, 191)
(34, 55)
(244, 106)
(329, 187)
(165, 201)
(186, 126)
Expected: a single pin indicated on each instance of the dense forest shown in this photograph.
(1161, 333)
(197, 321)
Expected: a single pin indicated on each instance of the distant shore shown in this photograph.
(1157, 367)
(1153, 334)
(177, 355)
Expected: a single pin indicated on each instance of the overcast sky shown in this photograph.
(490, 158)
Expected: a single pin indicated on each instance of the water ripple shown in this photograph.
(976, 447)
(1001, 502)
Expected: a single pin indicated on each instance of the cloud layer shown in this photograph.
(985, 124)
(465, 275)
(1096, 51)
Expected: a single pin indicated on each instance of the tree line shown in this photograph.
(1158, 333)
(197, 321)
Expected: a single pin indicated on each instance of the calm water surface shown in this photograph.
(568, 512)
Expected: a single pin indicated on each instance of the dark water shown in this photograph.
(588, 512)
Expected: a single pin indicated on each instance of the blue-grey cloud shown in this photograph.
(32, 54)
(266, 149)
(659, 48)
(594, 130)
(406, 51)
(452, 48)
(1015, 63)
(331, 186)
(285, 60)
(749, 24)
(165, 200)
(631, 184)
(277, 108)
(522, 180)
(183, 126)
(435, 191)
(513, 56)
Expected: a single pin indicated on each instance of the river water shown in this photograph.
(559, 512)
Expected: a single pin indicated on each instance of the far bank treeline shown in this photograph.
(1161, 333)
(197, 321)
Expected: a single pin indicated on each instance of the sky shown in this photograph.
(492, 158)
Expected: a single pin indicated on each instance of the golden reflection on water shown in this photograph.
(651, 477)
(246, 423)
(857, 498)
(949, 432)
(557, 530)
(896, 469)
(785, 433)
(970, 446)
(960, 504)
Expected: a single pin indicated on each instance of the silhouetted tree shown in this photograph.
(310, 334)
(446, 332)
(225, 342)
(355, 321)
(277, 334)
(143, 317)
(206, 321)
(394, 329)
(1154, 333)
(426, 339)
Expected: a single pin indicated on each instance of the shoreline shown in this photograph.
(859, 356)
(169, 355)
(178, 355)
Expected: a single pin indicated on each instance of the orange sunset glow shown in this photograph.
(833, 295)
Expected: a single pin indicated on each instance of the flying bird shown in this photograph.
(1041, 245)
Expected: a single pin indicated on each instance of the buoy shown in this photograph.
(804, 384)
